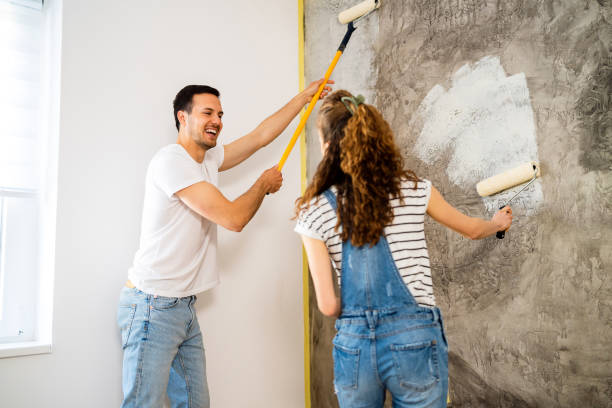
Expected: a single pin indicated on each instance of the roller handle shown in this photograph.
(316, 96)
(349, 31)
(306, 114)
(501, 234)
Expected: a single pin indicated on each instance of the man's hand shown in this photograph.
(238, 151)
(272, 179)
(314, 87)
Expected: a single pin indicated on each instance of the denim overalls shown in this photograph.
(385, 340)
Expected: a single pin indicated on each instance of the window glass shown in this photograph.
(21, 27)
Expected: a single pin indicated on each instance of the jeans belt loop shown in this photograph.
(372, 318)
(436, 314)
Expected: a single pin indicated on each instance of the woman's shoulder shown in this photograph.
(315, 205)
(421, 185)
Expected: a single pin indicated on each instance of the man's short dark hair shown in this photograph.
(184, 98)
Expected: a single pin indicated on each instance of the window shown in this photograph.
(28, 154)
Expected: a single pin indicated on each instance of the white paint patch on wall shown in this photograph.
(485, 124)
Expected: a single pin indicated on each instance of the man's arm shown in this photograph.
(206, 200)
(268, 130)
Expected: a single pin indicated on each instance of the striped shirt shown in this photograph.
(405, 235)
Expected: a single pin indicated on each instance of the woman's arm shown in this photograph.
(469, 227)
(322, 275)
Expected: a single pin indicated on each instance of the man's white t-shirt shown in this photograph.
(178, 247)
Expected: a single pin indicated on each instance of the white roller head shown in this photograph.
(357, 11)
(508, 179)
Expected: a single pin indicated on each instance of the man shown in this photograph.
(161, 338)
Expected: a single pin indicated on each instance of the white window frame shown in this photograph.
(47, 194)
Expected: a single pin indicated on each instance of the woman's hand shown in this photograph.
(503, 218)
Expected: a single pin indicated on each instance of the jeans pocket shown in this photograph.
(346, 367)
(417, 365)
(125, 318)
(162, 302)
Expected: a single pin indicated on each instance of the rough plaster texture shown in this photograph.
(529, 319)
(322, 36)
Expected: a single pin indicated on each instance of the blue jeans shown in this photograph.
(162, 351)
(404, 352)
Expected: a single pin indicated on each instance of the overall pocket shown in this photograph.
(125, 318)
(443, 332)
(346, 367)
(417, 365)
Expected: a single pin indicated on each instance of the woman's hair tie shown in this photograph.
(357, 100)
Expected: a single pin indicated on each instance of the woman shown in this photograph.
(366, 212)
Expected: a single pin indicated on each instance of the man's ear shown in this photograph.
(182, 117)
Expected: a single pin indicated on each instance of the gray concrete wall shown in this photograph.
(355, 70)
(473, 87)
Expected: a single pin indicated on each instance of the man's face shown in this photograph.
(204, 123)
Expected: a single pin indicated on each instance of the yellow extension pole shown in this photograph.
(311, 106)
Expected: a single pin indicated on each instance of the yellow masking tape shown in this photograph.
(305, 291)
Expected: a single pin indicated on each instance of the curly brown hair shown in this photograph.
(364, 164)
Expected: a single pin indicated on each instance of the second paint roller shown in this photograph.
(508, 179)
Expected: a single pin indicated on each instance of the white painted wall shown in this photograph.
(122, 64)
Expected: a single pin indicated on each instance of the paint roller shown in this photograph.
(508, 179)
(349, 16)
(362, 9)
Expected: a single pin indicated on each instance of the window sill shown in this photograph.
(24, 349)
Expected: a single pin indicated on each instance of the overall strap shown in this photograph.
(369, 279)
(331, 197)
